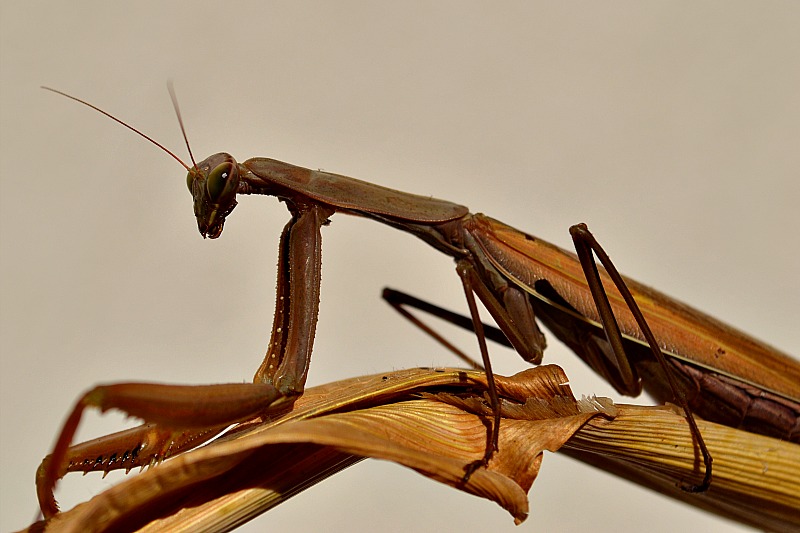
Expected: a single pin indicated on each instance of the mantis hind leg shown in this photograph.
(587, 248)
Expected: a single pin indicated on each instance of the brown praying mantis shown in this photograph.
(625, 331)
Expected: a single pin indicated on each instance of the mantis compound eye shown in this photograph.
(222, 182)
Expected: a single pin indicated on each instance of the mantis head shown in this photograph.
(213, 183)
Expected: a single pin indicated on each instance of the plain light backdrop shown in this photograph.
(671, 128)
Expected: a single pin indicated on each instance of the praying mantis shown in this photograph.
(622, 329)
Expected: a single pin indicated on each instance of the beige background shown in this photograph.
(671, 128)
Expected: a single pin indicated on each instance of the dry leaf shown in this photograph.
(434, 421)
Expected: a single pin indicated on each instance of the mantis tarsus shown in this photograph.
(714, 370)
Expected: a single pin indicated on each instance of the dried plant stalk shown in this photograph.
(434, 421)
(756, 478)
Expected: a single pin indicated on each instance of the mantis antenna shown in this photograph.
(112, 117)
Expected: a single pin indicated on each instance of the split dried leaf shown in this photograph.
(434, 421)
